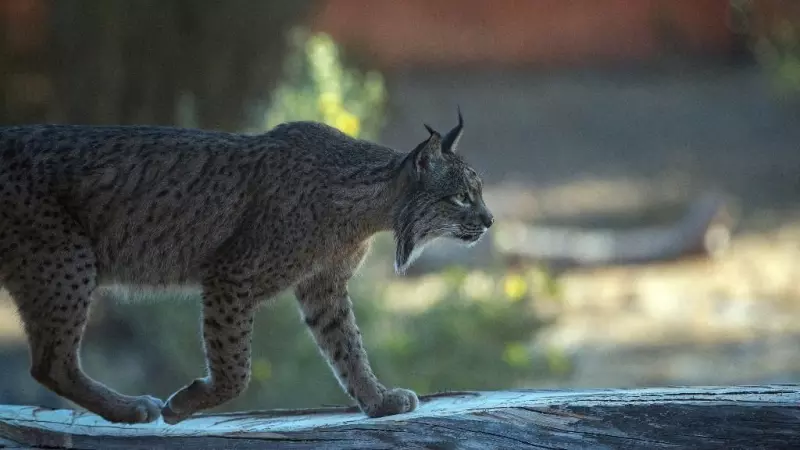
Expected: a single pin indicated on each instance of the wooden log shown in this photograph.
(689, 417)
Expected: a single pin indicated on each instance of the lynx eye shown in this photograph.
(461, 199)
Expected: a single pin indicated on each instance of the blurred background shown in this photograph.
(642, 158)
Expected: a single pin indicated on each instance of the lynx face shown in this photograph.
(444, 198)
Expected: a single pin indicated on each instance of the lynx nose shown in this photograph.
(487, 218)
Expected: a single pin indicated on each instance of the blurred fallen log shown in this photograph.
(691, 417)
(704, 229)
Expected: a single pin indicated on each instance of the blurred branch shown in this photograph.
(705, 229)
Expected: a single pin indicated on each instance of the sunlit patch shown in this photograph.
(261, 369)
(516, 355)
(416, 296)
(558, 361)
(514, 286)
(10, 326)
(478, 285)
(347, 123)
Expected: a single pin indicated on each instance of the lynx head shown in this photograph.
(443, 198)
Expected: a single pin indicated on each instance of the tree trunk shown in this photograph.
(133, 62)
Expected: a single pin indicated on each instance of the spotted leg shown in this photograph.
(327, 310)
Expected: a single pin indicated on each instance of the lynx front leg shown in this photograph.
(327, 311)
(228, 312)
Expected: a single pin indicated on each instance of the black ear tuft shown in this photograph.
(430, 130)
(450, 141)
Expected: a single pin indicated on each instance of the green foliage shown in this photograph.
(777, 47)
(317, 85)
(458, 345)
(780, 54)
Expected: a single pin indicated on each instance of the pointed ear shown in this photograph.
(450, 141)
(426, 153)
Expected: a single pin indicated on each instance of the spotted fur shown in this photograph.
(242, 216)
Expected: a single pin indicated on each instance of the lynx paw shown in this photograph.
(182, 404)
(143, 409)
(394, 401)
(170, 416)
(148, 409)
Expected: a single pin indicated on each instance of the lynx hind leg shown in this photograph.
(51, 275)
(228, 313)
(327, 310)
